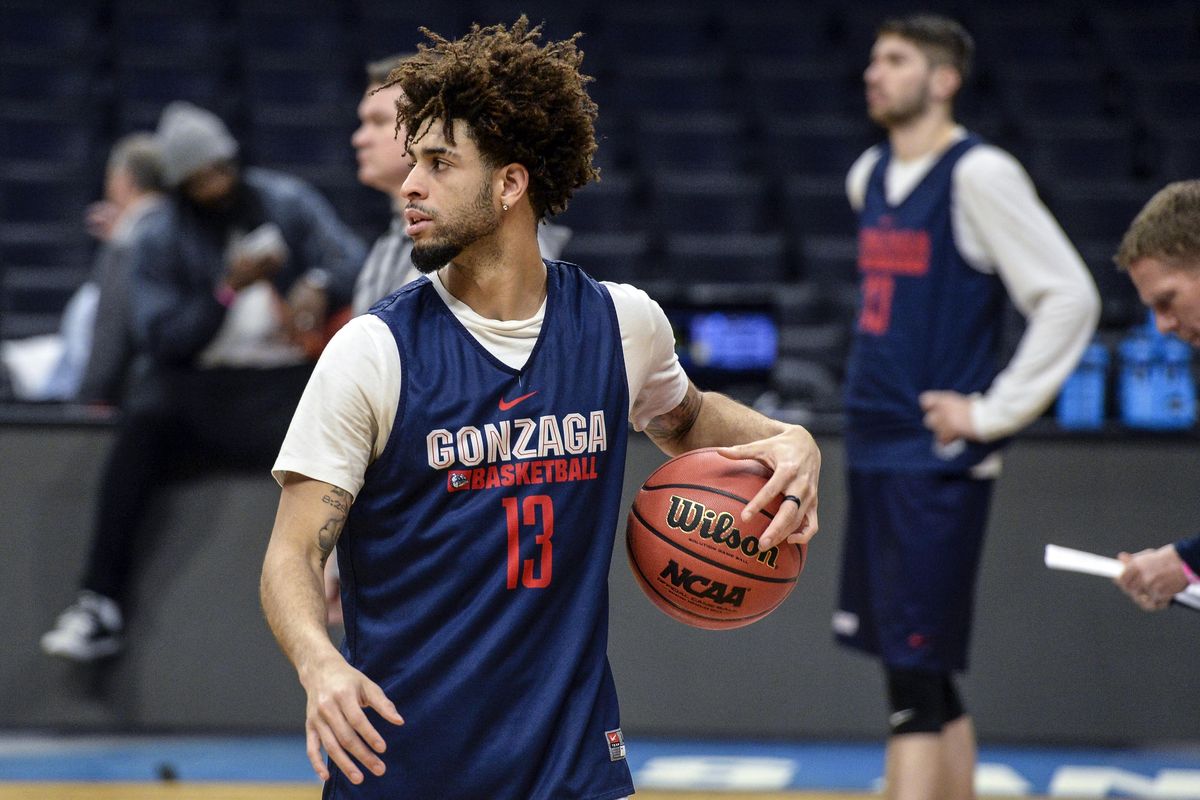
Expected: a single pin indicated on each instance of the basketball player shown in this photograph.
(947, 224)
(1161, 251)
(469, 436)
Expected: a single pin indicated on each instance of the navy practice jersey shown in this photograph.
(475, 559)
(928, 321)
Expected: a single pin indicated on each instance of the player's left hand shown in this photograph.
(795, 460)
(948, 415)
(1152, 577)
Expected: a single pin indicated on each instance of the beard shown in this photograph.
(476, 221)
(903, 112)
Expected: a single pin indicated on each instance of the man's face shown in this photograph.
(211, 186)
(383, 163)
(897, 81)
(450, 196)
(1173, 293)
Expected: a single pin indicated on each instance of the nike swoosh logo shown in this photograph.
(898, 718)
(505, 405)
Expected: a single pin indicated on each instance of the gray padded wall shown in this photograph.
(1057, 657)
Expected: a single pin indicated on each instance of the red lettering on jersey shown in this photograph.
(478, 477)
(507, 475)
(896, 252)
(576, 472)
(560, 470)
(535, 471)
(493, 478)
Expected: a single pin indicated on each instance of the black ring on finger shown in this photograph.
(793, 498)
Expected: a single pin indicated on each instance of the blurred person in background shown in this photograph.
(232, 288)
(90, 357)
(1161, 253)
(948, 227)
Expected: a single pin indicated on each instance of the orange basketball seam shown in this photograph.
(717, 564)
(648, 488)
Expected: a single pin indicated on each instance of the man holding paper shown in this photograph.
(1161, 253)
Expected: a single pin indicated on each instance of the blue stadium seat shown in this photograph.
(43, 194)
(817, 206)
(1097, 210)
(1048, 33)
(692, 141)
(281, 139)
(34, 78)
(65, 28)
(649, 29)
(1169, 95)
(614, 205)
(711, 202)
(159, 78)
(789, 31)
(819, 146)
(830, 262)
(727, 257)
(674, 85)
(616, 256)
(1157, 35)
(186, 29)
(55, 138)
(1120, 307)
(386, 28)
(1178, 151)
(274, 80)
(1037, 92)
(1081, 150)
(777, 86)
(299, 29)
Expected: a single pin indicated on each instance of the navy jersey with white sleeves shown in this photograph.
(928, 321)
(475, 558)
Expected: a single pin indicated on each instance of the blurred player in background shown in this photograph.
(1161, 252)
(947, 225)
(469, 434)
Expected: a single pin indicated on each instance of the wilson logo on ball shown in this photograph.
(703, 587)
(688, 516)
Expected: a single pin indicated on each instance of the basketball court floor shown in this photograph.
(47, 767)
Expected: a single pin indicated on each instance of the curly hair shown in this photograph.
(521, 103)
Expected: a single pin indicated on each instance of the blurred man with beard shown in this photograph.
(948, 227)
(229, 288)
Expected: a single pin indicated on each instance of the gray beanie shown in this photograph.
(191, 139)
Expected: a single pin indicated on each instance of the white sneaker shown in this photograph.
(90, 628)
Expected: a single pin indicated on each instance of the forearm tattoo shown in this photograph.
(675, 424)
(339, 501)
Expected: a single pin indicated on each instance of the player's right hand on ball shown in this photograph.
(337, 695)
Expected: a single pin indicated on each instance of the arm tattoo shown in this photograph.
(327, 537)
(675, 424)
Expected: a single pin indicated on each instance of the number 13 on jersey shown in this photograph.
(531, 516)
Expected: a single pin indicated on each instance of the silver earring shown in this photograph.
(504, 206)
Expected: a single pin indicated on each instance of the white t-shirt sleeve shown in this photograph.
(346, 413)
(859, 174)
(657, 382)
(1001, 225)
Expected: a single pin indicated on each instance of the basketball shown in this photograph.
(690, 551)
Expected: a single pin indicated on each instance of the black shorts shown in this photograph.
(909, 564)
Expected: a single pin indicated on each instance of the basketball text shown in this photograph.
(694, 518)
(700, 586)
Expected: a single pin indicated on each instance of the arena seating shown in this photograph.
(725, 129)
